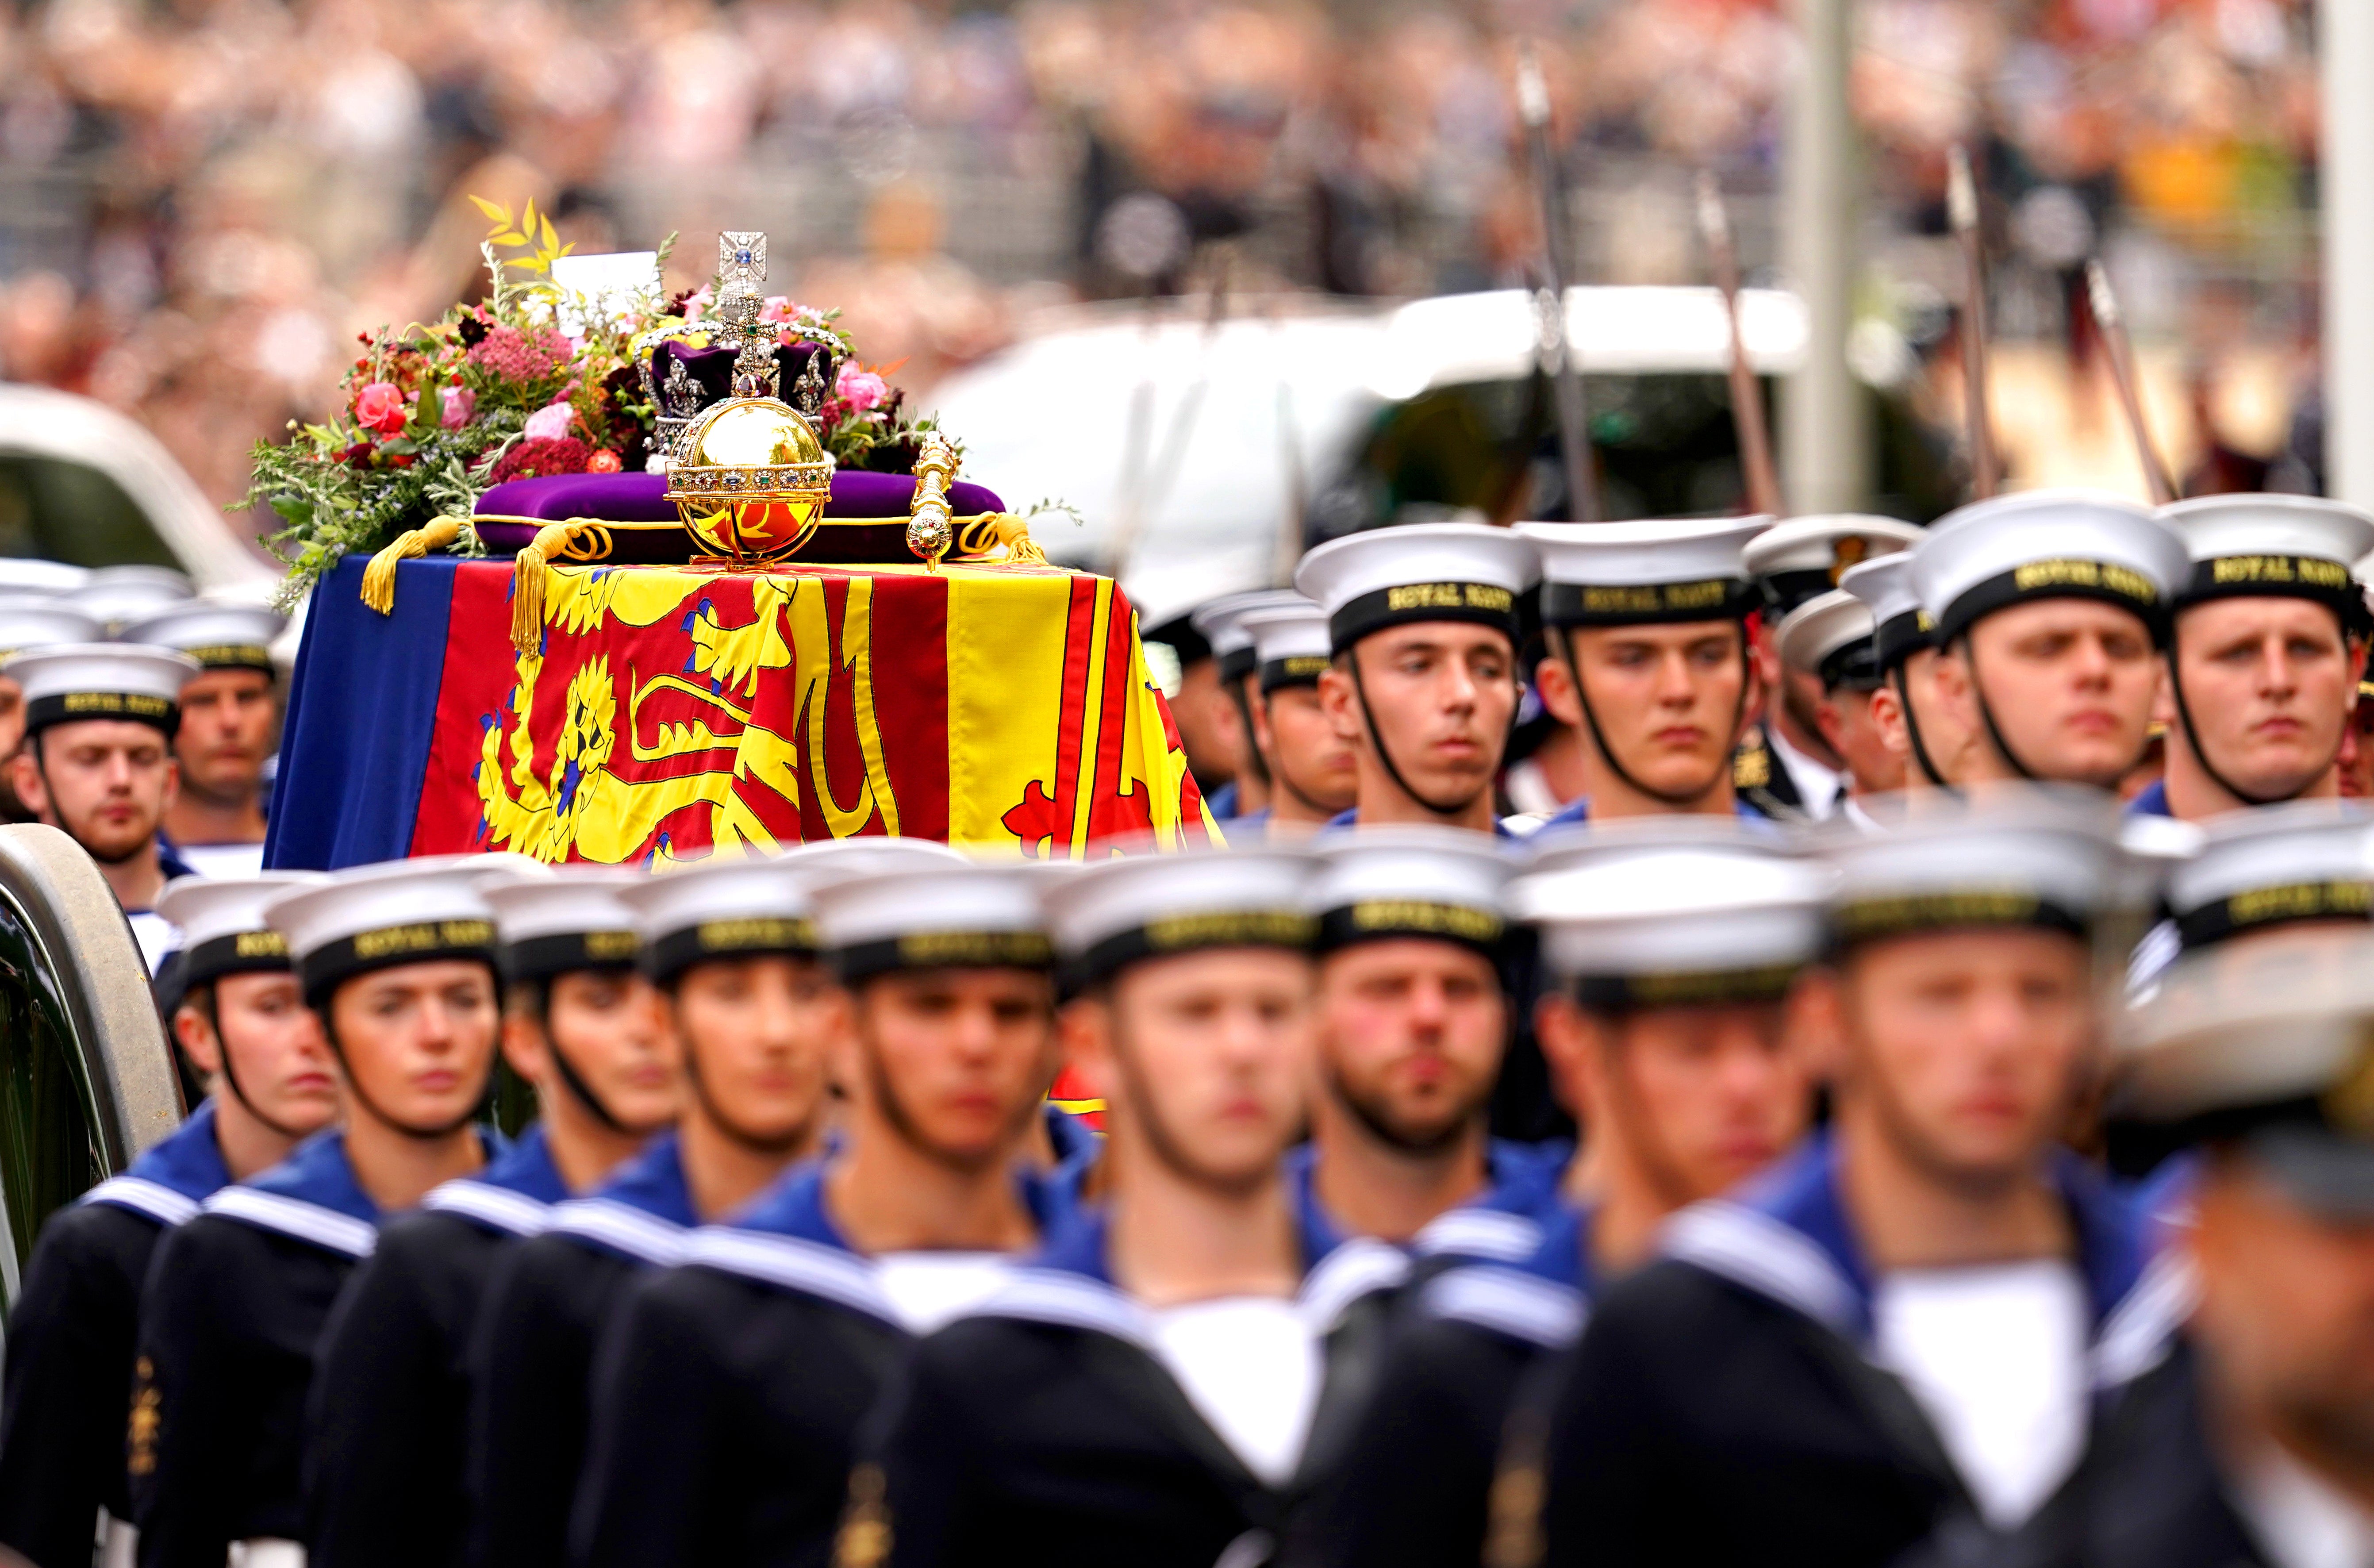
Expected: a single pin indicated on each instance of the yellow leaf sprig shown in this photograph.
(531, 230)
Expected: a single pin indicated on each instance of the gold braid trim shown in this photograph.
(527, 574)
(979, 535)
(378, 577)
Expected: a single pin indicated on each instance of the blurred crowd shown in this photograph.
(203, 201)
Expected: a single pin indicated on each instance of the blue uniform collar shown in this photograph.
(1563, 1256)
(1222, 802)
(1578, 810)
(1077, 1246)
(641, 1213)
(1543, 1300)
(1352, 819)
(797, 1206)
(2150, 801)
(320, 1174)
(170, 861)
(170, 1181)
(513, 1195)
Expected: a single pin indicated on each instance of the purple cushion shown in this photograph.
(642, 498)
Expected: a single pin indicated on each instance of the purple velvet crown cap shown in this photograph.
(642, 498)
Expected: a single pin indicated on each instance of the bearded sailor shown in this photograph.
(1196, 1323)
(390, 1401)
(398, 962)
(730, 1392)
(241, 1020)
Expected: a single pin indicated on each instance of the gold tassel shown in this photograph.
(378, 577)
(1014, 533)
(527, 583)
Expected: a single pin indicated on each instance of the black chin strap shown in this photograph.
(1912, 732)
(1384, 754)
(1259, 763)
(726, 1125)
(212, 1015)
(409, 1129)
(2201, 747)
(1677, 798)
(579, 1089)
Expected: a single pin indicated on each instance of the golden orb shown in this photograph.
(749, 478)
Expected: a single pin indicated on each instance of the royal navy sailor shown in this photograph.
(2270, 631)
(239, 1017)
(1827, 646)
(230, 716)
(28, 621)
(1932, 746)
(731, 945)
(2050, 609)
(397, 962)
(2259, 872)
(1650, 661)
(1166, 1381)
(1223, 624)
(1889, 1338)
(97, 763)
(1672, 947)
(1422, 626)
(729, 1391)
(390, 1399)
(1789, 764)
(1313, 776)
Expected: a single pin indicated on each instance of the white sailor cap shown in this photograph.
(1222, 624)
(391, 912)
(2273, 545)
(726, 909)
(2025, 856)
(1830, 635)
(29, 622)
(71, 681)
(1167, 594)
(2047, 544)
(222, 923)
(219, 634)
(1290, 642)
(1794, 561)
(1901, 628)
(1636, 573)
(1443, 884)
(117, 594)
(1467, 572)
(571, 919)
(27, 574)
(957, 915)
(2268, 1049)
(1644, 916)
(2275, 866)
(1106, 916)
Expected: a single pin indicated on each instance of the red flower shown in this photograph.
(604, 461)
(381, 407)
(541, 459)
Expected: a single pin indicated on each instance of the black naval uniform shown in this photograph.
(1042, 1428)
(233, 1310)
(70, 1348)
(390, 1400)
(1722, 1407)
(729, 1391)
(532, 1357)
(1413, 1489)
(1760, 780)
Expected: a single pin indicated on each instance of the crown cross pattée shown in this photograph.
(741, 258)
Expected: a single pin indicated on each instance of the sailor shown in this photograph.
(1169, 1379)
(1789, 765)
(118, 596)
(240, 1018)
(1413, 1022)
(730, 1391)
(1933, 748)
(1649, 660)
(2269, 634)
(1674, 946)
(1423, 627)
(2050, 607)
(30, 621)
(2245, 1442)
(1205, 718)
(1828, 642)
(397, 962)
(390, 1399)
(1222, 623)
(97, 762)
(1891, 1335)
(2257, 872)
(230, 713)
(731, 947)
(1313, 777)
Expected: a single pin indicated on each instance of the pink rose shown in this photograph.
(550, 422)
(459, 402)
(380, 406)
(776, 308)
(860, 389)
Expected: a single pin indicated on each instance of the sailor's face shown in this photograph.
(1208, 730)
(227, 719)
(1204, 1059)
(1670, 699)
(1965, 1049)
(609, 1025)
(1847, 723)
(2286, 1315)
(1944, 736)
(760, 1032)
(1306, 754)
(2271, 683)
(2070, 683)
(417, 1040)
(106, 782)
(1443, 693)
(953, 1061)
(273, 1046)
(1410, 1035)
